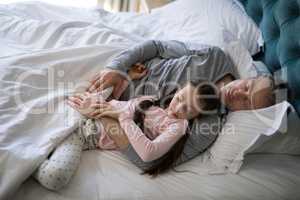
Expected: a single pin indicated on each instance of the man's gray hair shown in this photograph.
(279, 90)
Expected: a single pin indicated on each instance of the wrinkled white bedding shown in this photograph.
(39, 26)
(47, 52)
(34, 117)
(108, 175)
(41, 61)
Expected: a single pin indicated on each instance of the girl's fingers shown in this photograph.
(100, 110)
(99, 116)
(95, 102)
(104, 114)
(82, 96)
(96, 112)
(100, 105)
(76, 101)
(73, 105)
(76, 96)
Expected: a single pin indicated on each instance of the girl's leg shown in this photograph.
(56, 172)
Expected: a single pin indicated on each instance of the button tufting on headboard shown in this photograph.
(279, 21)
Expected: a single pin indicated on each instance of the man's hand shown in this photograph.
(105, 79)
(137, 71)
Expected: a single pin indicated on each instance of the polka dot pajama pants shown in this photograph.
(56, 172)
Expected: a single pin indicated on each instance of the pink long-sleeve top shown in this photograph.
(162, 131)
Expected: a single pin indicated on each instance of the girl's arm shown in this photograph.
(115, 132)
(147, 149)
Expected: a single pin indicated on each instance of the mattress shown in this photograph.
(108, 175)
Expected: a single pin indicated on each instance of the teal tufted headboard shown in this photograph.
(279, 21)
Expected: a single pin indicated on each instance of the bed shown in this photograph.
(108, 174)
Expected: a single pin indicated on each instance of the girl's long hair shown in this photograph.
(168, 160)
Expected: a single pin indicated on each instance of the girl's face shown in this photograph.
(184, 104)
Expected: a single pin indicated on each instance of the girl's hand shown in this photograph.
(104, 109)
(85, 102)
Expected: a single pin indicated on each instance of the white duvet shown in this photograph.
(34, 117)
(41, 61)
(48, 52)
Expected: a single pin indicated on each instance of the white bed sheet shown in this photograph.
(108, 175)
(40, 36)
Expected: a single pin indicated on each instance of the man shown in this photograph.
(170, 65)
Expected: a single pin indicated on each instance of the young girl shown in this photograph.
(156, 133)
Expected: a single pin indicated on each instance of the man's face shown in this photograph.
(247, 94)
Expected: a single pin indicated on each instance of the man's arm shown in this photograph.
(154, 48)
(137, 54)
(141, 53)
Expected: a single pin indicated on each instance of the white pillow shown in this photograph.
(241, 131)
(205, 21)
(285, 141)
